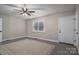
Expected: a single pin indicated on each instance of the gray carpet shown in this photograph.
(33, 46)
(64, 49)
(26, 47)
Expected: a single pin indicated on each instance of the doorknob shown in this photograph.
(0, 31)
(59, 31)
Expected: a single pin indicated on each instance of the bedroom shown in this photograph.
(25, 28)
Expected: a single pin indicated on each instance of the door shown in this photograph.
(0, 29)
(66, 31)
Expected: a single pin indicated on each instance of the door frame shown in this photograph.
(1, 31)
(75, 28)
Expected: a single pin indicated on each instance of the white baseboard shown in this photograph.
(31, 37)
(13, 38)
(51, 40)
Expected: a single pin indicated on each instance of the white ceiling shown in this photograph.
(44, 9)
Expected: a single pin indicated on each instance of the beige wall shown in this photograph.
(51, 26)
(13, 27)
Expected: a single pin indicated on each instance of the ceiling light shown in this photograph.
(24, 14)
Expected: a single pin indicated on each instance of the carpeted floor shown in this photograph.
(64, 49)
(30, 46)
(27, 47)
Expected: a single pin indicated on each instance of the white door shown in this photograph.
(66, 29)
(0, 29)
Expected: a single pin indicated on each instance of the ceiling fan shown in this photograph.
(26, 11)
(23, 10)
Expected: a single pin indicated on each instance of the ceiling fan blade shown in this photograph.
(21, 13)
(31, 11)
(28, 14)
(23, 9)
(26, 9)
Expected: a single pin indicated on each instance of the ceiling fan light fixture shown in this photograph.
(24, 14)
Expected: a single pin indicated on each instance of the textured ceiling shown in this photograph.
(43, 9)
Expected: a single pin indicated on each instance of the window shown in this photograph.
(38, 25)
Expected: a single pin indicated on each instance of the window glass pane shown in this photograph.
(41, 26)
(36, 26)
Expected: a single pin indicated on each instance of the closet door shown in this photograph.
(67, 29)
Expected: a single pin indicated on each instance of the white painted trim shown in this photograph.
(51, 40)
(76, 24)
(0, 29)
(13, 38)
(77, 29)
(32, 37)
